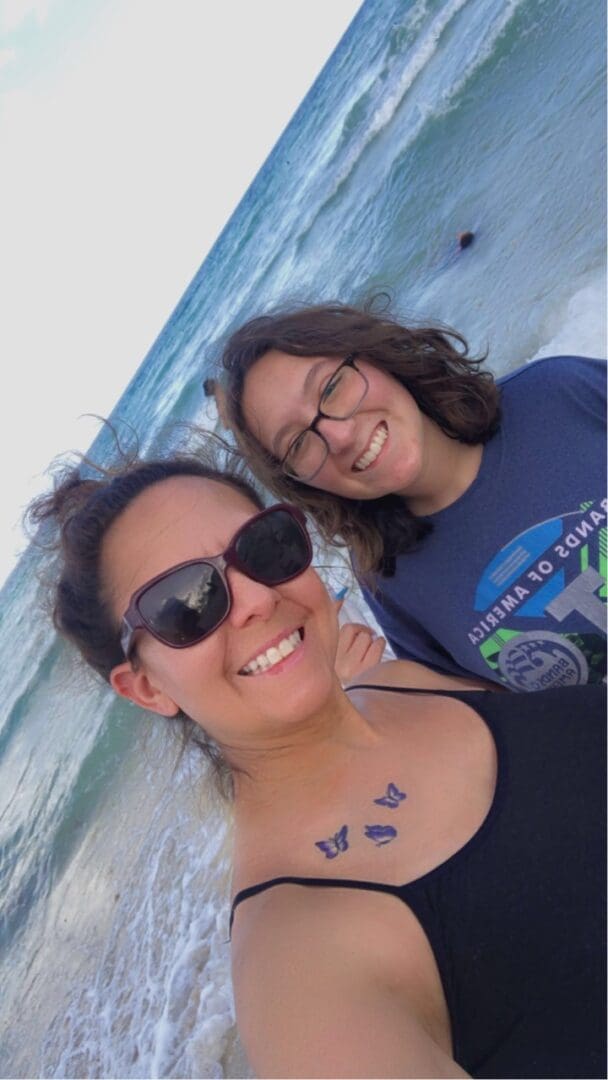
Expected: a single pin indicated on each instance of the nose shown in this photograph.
(338, 434)
(250, 599)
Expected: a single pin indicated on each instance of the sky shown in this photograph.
(129, 131)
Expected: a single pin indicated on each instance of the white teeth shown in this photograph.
(273, 655)
(374, 448)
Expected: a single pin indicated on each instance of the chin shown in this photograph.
(309, 692)
(372, 490)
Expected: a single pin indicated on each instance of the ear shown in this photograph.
(135, 685)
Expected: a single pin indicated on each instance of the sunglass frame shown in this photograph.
(133, 620)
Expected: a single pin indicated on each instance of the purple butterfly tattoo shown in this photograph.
(392, 798)
(380, 834)
(335, 844)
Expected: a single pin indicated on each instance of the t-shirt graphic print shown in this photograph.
(539, 583)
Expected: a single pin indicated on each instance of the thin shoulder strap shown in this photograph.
(410, 690)
(336, 883)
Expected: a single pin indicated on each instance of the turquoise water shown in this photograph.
(430, 118)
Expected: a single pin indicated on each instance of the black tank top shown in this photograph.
(516, 917)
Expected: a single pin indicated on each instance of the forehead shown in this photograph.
(181, 518)
(279, 389)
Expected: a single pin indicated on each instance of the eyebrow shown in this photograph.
(306, 387)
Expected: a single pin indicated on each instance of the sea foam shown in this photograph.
(580, 328)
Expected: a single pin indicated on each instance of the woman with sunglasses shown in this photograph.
(417, 876)
(475, 511)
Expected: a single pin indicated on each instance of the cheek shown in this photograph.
(388, 393)
(191, 677)
(411, 414)
(323, 607)
(331, 624)
(329, 478)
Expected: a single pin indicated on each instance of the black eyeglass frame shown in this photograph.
(133, 620)
(349, 361)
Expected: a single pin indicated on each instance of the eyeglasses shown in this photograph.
(185, 604)
(340, 398)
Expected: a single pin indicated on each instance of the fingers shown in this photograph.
(358, 649)
(366, 649)
(350, 632)
(375, 652)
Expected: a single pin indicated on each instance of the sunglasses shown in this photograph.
(185, 604)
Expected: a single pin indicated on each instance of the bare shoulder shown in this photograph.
(307, 920)
(411, 674)
(316, 968)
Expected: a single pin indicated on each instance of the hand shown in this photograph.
(358, 650)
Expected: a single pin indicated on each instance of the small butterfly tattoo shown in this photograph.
(380, 834)
(334, 844)
(392, 798)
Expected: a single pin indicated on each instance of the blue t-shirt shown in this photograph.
(511, 583)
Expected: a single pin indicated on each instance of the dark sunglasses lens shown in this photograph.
(274, 548)
(186, 605)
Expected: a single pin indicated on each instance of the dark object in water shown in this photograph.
(465, 239)
(209, 387)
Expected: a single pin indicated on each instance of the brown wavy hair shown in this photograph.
(72, 521)
(434, 365)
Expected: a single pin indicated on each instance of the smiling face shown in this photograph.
(276, 645)
(381, 449)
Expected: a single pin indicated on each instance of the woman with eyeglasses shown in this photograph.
(418, 877)
(474, 509)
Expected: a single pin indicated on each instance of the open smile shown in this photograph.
(274, 654)
(373, 448)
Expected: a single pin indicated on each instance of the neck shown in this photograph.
(302, 760)
(449, 469)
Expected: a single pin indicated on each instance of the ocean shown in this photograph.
(431, 117)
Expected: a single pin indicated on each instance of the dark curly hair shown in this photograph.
(431, 362)
(74, 519)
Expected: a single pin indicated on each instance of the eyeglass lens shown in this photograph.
(341, 397)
